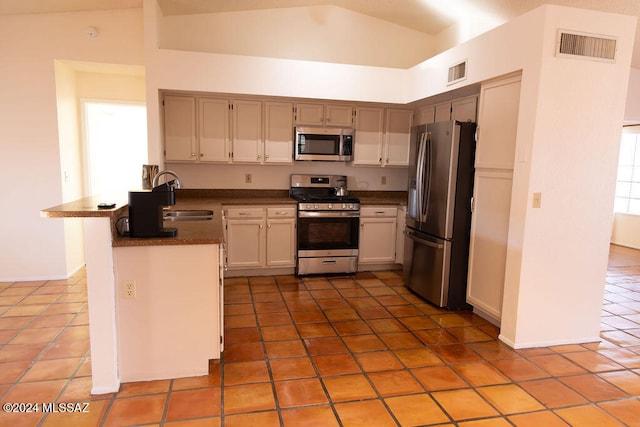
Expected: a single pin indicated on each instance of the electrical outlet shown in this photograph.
(129, 289)
(247, 178)
(383, 180)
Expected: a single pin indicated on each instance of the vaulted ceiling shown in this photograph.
(428, 16)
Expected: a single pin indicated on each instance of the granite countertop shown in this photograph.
(200, 232)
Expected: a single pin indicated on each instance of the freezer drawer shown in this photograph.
(426, 266)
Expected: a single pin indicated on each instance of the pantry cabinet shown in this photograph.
(495, 152)
(378, 229)
(259, 237)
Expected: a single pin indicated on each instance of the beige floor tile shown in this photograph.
(416, 410)
(510, 399)
(464, 404)
(587, 415)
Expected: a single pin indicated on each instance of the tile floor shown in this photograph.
(332, 351)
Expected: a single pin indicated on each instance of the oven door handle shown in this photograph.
(325, 214)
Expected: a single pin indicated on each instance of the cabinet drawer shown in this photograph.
(238, 212)
(376, 211)
(282, 212)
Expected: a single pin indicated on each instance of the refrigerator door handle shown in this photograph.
(413, 236)
(425, 183)
(420, 179)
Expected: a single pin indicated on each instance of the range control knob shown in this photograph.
(350, 205)
(308, 206)
(329, 206)
(344, 206)
(315, 206)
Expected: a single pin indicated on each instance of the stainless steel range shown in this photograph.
(328, 224)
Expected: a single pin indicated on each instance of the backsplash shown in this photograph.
(272, 177)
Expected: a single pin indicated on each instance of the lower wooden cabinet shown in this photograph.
(378, 230)
(259, 237)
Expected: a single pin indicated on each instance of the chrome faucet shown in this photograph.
(166, 172)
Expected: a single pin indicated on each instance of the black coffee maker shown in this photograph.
(145, 211)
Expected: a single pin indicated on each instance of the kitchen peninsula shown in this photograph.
(154, 303)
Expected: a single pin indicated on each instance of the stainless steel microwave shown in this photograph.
(328, 144)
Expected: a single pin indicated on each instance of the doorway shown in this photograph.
(115, 148)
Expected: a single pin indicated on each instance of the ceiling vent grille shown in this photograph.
(457, 72)
(587, 46)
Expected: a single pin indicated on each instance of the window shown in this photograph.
(628, 182)
(115, 147)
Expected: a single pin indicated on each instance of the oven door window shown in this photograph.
(327, 233)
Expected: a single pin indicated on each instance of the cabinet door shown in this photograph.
(247, 131)
(488, 246)
(180, 128)
(245, 243)
(443, 112)
(426, 115)
(278, 132)
(498, 124)
(213, 127)
(339, 115)
(397, 137)
(310, 114)
(281, 238)
(465, 109)
(377, 240)
(368, 137)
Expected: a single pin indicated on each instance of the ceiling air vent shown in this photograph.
(457, 73)
(598, 48)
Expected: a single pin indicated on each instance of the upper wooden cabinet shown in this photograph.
(462, 110)
(397, 137)
(382, 136)
(278, 132)
(220, 130)
(213, 129)
(180, 128)
(369, 131)
(308, 114)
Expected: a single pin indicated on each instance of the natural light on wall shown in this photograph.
(628, 182)
(470, 17)
(115, 148)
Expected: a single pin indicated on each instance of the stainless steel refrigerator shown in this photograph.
(438, 224)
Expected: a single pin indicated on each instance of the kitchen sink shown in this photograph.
(187, 215)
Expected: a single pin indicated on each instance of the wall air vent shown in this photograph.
(457, 73)
(587, 46)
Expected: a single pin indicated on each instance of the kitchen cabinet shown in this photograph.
(382, 136)
(259, 237)
(311, 114)
(180, 128)
(213, 130)
(462, 110)
(247, 131)
(495, 150)
(281, 237)
(426, 115)
(278, 132)
(378, 230)
(368, 136)
(221, 130)
(397, 137)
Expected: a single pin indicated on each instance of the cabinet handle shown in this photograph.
(268, 225)
(281, 213)
(261, 226)
(266, 156)
(201, 154)
(244, 213)
(379, 212)
(193, 154)
(259, 156)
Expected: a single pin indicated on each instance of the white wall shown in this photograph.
(317, 33)
(568, 128)
(34, 247)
